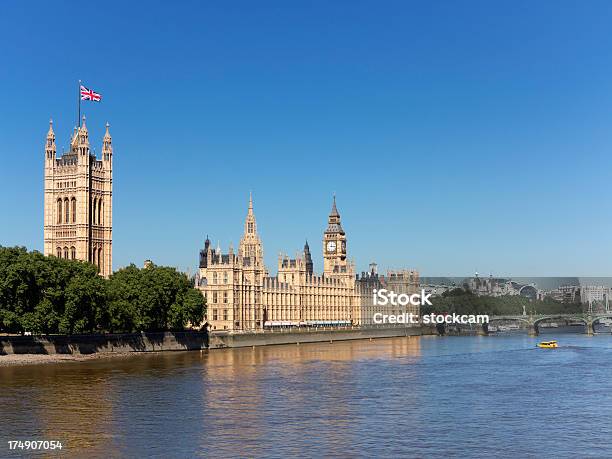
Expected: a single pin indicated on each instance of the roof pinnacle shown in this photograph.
(334, 211)
(50, 133)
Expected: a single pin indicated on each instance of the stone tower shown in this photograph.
(250, 244)
(308, 260)
(250, 258)
(334, 244)
(78, 221)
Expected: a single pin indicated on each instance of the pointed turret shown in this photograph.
(334, 211)
(250, 225)
(82, 139)
(333, 222)
(50, 147)
(50, 133)
(250, 244)
(107, 147)
(308, 259)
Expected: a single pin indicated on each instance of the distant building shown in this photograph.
(595, 297)
(241, 295)
(78, 208)
(437, 289)
(494, 286)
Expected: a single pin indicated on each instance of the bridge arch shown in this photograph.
(596, 318)
(563, 317)
(524, 319)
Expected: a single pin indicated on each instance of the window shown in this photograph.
(225, 297)
(215, 314)
(59, 252)
(73, 253)
(214, 278)
(66, 253)
(93, 256)
(67, 212)
(225, 278)
(73, 210)
(100, 212)
(100, 258)
(225, 314)
(93, 213)
(59, 210)
(214, 297)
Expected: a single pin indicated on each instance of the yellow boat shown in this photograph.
(548, 344)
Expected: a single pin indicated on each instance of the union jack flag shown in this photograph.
(88, 94)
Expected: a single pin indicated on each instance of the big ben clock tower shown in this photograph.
(334, 245)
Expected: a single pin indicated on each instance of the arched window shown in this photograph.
(100, 206)
(93, 256)
(66, 253)
(94, 211)
(59, 252)
(59, 210)
(73, 253)
(100, 259)
(73, 210)
(66, 211)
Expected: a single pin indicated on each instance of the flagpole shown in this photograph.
(79, 99)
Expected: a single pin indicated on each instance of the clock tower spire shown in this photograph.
(334, 245)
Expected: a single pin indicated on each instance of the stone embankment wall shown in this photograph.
(185, 341)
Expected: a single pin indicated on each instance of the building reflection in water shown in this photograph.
(222, 402)
(52, 402)
(268, 396)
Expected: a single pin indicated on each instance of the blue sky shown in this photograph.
(458, 136)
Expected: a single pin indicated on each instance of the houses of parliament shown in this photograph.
(240, 293)
(242, 296)
(78, 205)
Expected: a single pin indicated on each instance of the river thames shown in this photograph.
(397, 397)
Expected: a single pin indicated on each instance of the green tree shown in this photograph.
(153, 299)
(50, 295)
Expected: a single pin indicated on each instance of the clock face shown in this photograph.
(331, 246)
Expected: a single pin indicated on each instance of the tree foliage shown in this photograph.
(46, 295)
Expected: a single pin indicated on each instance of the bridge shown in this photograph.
(532, 322)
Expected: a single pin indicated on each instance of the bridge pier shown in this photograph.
(589, 328)
(532, 330)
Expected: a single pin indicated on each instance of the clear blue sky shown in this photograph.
(457, 135)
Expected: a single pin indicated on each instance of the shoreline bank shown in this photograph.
(27, 350)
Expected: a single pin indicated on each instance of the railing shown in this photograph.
(319, 329)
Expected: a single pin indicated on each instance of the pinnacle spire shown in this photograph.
(250, 203)
(83, 124)
(334, 211)
(50, 133)
(107, 134)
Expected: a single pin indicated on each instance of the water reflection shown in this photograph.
(386, 398)
(211, 401)
(257, 398)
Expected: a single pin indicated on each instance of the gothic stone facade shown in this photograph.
(242, 296)
(78, 201)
